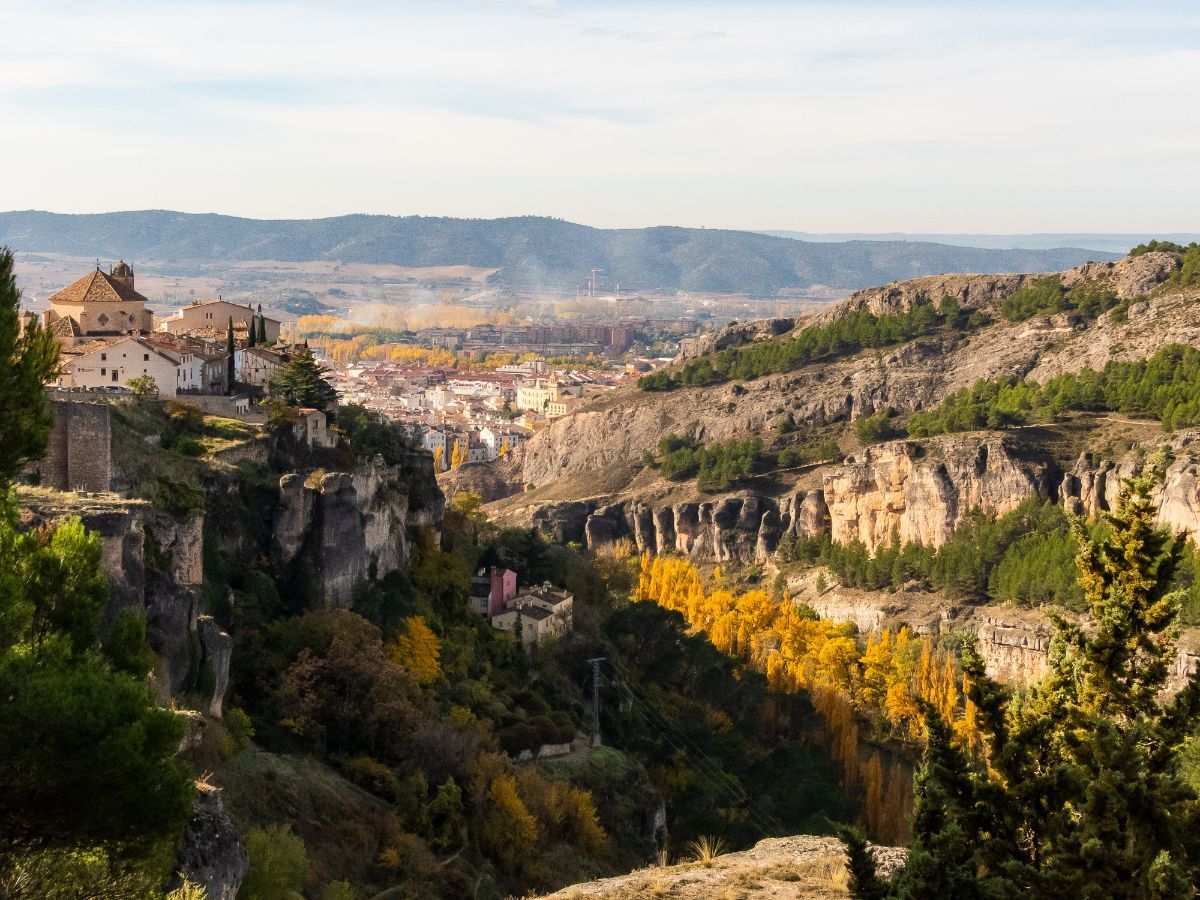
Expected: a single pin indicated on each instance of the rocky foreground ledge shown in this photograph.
(790, 868)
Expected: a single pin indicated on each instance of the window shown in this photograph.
(145, 357)
(103, 372)
(114, 375)
(103, 357)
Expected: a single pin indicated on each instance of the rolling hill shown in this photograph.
(532, 252)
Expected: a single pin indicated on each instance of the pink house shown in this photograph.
(492, 589)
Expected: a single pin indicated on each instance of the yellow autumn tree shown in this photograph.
(457, 457)
(509, 832)
(418, 649)
(883, 684)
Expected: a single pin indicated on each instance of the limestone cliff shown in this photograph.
(920, 492)
(351, 526)
(614, 430)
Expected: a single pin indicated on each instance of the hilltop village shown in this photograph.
(222, 356)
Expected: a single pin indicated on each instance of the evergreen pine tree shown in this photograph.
(302, 382)
(28, 361)
(1081, 795)
(261, 337)
(252, 332)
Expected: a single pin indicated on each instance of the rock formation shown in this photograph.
(211, 854)
(354, 525)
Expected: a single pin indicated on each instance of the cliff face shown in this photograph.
(350, 526)
(591, 457)
(1014, 643)
(212, 854)
(154, 565)
(921, 492)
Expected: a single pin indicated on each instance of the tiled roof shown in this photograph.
(94, 287)
(64, 326)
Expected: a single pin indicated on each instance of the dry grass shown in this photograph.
(799, 868)
(706, 849)
(828, 871)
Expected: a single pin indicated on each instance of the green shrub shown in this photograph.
(126, 646)
(278, 864)
(1165, 386)
(239, 730)
(874, 428)
(187, 417)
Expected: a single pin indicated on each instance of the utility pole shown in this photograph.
(596, 699)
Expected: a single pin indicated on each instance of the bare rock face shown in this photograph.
(212, 854)
(216, 652)
(969, 291)
(1133, 276)
(563, 523)
(1015, 647)
(921, 493)
(353, 525)
(1092, 486)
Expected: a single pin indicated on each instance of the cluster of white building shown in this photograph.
(109, 338)
(482, 414)
(535, 613)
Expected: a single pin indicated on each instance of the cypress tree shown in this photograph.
(262, 326)
(230, 368)
(252, 332)
(28, 361)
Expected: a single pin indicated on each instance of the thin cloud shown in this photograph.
(673, 35)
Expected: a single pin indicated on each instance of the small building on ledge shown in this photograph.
(311, 428)
(538, 612)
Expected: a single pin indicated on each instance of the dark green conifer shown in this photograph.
(28, 361)
(302, 382)
(1081, 796)
(230, 368)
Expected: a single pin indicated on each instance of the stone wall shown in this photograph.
(79, 455)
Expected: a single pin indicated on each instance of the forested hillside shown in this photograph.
(532, 252)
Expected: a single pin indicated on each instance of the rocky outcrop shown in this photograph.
(1093, 485)
(917, 493)
(1014, 643)
(803, 867)
(212, 854)
(920, 493)
(351, 526)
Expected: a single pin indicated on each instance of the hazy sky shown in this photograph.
(960, 116)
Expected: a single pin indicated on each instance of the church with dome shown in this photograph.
(98, 306)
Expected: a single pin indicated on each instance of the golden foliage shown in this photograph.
(417, 648)
(881, 685)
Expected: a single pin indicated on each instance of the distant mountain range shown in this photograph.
(531, 252)
(1050, 240)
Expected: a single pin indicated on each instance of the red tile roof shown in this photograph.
(97, 286)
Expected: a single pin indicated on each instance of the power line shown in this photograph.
(704, 765)
(754, 815)
(718, 771)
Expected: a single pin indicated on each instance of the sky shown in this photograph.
(888, 116)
